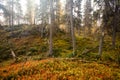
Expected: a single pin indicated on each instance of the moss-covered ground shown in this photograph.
(33, 64)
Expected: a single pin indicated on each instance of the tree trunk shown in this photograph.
(18, 18)
(12, 14)
(114, 37)
(101, 42)
(51, 26)
(84, 31)
(114, 31)
(79, 15)
(34, 21)
(79, 30)
(9, 17)
(18, 21)
(42, 25)
(72, 28)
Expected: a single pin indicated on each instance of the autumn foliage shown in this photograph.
(59, 69)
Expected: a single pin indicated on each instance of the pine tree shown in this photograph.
(30, 11)
(72, 28)
(87, 18)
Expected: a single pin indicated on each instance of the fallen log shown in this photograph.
(88, 50)
(14, 56)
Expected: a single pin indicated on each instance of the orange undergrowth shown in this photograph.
(54, 69)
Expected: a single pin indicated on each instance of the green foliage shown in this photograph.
(21, 50)
(57, 52)
(33, 49)
(61, 48)
(43, 48)
(108, 57)
(38, 57)
(4, 46)
(118, 59)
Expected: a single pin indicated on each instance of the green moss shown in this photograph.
(33, 49)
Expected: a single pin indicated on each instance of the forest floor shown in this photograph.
(60, 69)
(33, 64)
